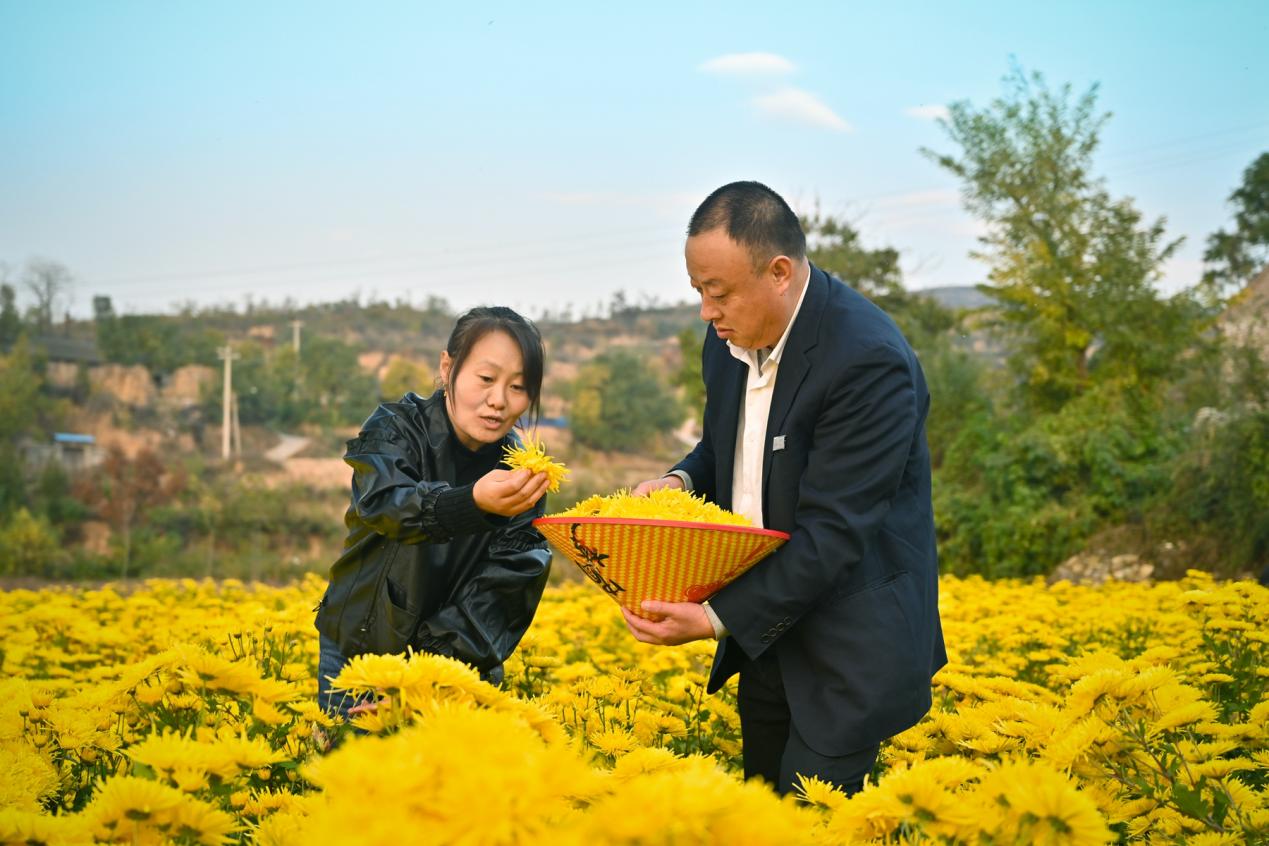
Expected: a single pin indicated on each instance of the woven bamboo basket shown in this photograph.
(636, 559)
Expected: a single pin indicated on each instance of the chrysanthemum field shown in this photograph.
(184, 712)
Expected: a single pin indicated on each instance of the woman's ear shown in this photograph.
(446, 363)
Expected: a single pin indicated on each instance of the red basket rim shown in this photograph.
(677, 524)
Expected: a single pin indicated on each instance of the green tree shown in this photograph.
(21, 406)
(28, 545)
(336, 390)
(1072, 269)
(267, 384)
(405, 375)
(21, 401)
(1234, 257)
(620, 403)
(275, 387)
(49, 283)
(124, 489)
(1016, 494)
(833, 245)
(10, 321)
(954, 376)
(1219, 491)
(160, 343)
(689, 376)
(1083, 434)
(51, 494)
(959, 395)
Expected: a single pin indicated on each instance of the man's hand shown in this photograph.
(676, 623)
(509, 492)
(645, 488)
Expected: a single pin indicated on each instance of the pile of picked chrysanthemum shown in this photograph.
(661, 504)
(532, 454)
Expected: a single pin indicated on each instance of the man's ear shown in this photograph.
(781, 269)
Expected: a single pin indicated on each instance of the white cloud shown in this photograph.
(801, 106)
(927, 112)
(748, 64)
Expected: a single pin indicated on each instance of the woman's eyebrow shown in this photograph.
(484, 362)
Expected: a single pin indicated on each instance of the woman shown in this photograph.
(441, 554)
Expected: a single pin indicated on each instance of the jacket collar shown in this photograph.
(803, 335)
(796, 363)
(435, 418)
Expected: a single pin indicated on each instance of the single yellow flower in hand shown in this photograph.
(532, 454)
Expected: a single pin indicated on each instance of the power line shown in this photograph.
(490, 259)
(1180, 141)
(1180, 160)
(484, 255)
(475, 247)
(433, 286)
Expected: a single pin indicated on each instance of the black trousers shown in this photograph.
(774, 750)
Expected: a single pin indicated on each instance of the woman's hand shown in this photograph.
(509, 492)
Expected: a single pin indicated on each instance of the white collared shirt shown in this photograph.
(755, 408)
(751, 428)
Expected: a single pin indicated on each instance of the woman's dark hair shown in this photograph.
(479, 322)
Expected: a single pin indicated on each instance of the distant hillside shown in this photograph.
(956, 296)
(1246, 321)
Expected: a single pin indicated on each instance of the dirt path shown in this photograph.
(287, 447)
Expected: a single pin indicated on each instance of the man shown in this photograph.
(814, 425)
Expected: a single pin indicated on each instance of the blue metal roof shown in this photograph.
(72, 438)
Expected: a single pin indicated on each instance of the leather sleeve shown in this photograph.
(392, 498)
(492, 610)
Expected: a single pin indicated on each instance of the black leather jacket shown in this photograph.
(422, 565)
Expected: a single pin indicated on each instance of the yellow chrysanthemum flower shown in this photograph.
(128, 798)
(816, 792)
(281, 829)
(1088, 687)
(23, 827)
(27, 777)
(531, 454)
(613, 742)
(1041, 806)
(661, 504)
(202, 670)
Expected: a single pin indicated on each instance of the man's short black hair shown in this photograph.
(755, 217)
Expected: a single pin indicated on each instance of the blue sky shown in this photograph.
(550, 156)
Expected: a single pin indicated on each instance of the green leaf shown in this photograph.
(1189, 801)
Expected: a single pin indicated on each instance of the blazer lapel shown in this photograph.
(733, 388)
(795, 363)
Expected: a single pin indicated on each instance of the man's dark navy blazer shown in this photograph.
(850, 603)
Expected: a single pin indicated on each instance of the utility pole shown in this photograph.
(295, 336)
(237, 429)
(227, 355)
